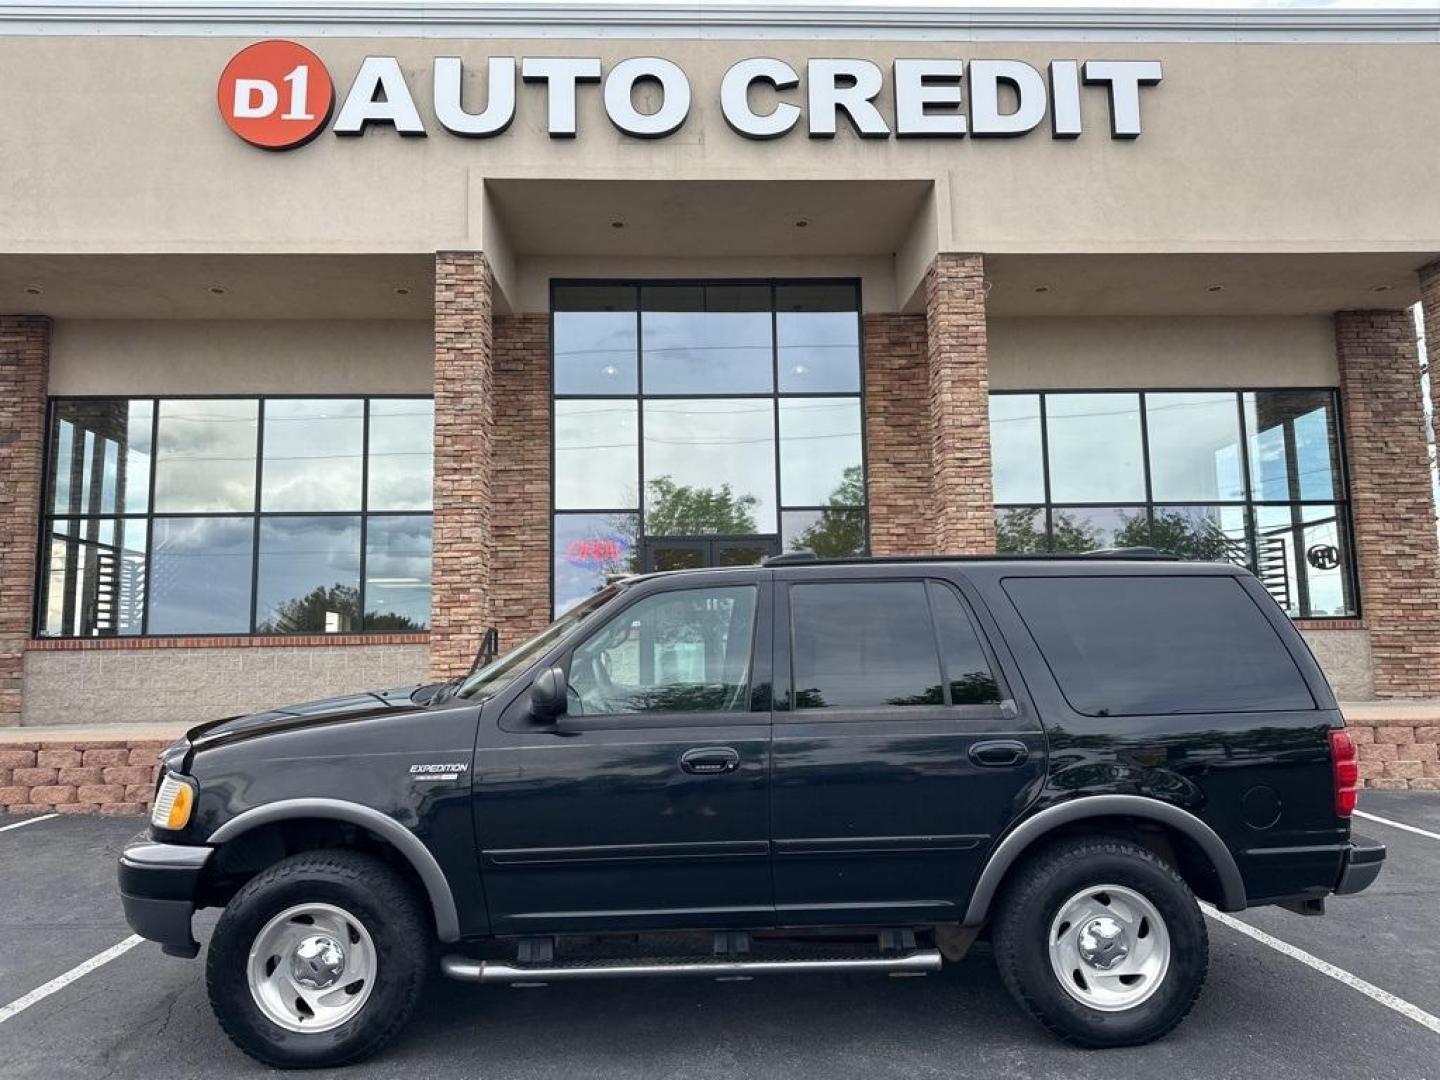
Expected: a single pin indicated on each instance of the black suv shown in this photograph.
(801, 766)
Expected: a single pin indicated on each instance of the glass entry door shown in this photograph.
(698, 552)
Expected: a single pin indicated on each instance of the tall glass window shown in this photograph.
(1253, 477)
(723, 419)
(237, 515)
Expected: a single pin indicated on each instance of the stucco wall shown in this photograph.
(1194, 352)
(1344, 656)
(203, 356)
(191, 685)
(1246, 147)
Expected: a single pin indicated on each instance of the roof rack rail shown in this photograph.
(1136, 552)
(790, 557)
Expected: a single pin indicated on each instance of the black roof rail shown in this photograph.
(790, 557)
(1137, 552)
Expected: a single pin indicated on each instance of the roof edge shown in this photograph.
(727, 18)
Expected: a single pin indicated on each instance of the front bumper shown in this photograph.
(1362, 865)
(158, 886)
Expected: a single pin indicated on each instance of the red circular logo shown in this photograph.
(275, 94)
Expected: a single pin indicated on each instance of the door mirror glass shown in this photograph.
(547, 695)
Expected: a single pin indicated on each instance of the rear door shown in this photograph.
(899, 751)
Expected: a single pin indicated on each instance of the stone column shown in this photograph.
(897, 435)
(24, 379)
(1390, 499)
(521, 585)
(464, 461)
(959, 389)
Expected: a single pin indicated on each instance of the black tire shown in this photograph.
(373, 893)
(1035, 896)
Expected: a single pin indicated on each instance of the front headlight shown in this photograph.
(173, 803)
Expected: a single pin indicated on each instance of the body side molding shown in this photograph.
(442, 903)
(1033, 829)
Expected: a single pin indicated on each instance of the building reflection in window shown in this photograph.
(1252, 477)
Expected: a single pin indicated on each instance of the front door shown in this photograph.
(898, 757)
(647, 806)
(695, 552)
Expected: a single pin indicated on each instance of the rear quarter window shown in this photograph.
(1136, 646)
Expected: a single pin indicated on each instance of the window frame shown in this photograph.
(755, 714)
(1340, 504)
(774, 395)
(255, 515)
(985, 716)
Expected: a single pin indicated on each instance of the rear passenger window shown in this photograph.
(1135, 646)
(863, 645)
(967, 671)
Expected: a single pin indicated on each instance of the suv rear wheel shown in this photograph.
(319, 960)
(1102, 942)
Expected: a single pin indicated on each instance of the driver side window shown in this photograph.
(684, 651)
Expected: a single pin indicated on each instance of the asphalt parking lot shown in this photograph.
(1263, 1013)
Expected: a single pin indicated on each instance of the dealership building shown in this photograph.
(332, 335)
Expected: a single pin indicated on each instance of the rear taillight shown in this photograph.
(1346, 770)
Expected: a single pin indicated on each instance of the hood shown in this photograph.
(333, 710)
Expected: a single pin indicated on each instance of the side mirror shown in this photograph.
(547, 695)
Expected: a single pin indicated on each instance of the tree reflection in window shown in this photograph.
(674, 652)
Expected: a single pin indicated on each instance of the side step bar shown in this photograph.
(497, 971)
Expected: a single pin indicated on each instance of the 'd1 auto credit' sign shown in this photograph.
(279, 95)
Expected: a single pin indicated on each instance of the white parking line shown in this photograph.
(1397, 824)
(79, 971)
(1370, 990)
(27, 821)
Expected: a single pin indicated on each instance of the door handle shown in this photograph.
(709, 760)
(999, 753)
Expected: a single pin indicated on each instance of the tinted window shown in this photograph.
(817, 334)
(402, 453)
(314, 454)
(685, 651)
(309, 575)
(967, 671)
(1016, 454)
(200, 575)
(205, 459)
(1094, 445)
(863, 645)
(711, 339)
(1129, 646)
(596, 339)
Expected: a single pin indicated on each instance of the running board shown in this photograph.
(497, 971)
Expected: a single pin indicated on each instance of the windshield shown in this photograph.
(497, 674)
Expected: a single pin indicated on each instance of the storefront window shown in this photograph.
(703, 424)
(1249, 477)
(269, 516)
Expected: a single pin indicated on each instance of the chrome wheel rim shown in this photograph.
(311, 968)
(1109, 948)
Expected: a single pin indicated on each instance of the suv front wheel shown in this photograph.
(1102, 942)
(318, 960)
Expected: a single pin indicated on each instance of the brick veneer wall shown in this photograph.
(464, 462)
(959, 399)
(897, 435)
(112, 776)
(24, 376)
(1391, 499)
(1399, 754)
(520, 578)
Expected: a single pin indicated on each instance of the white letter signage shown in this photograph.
(278, 95)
